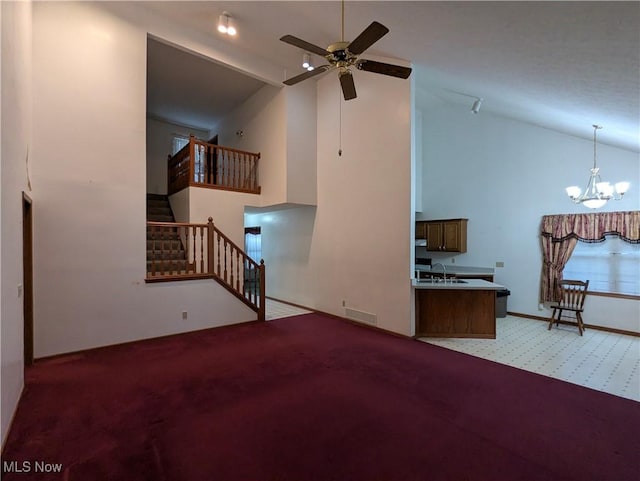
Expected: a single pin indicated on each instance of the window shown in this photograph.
(612, 266)
(179, 141)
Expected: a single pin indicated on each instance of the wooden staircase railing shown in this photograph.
(202, 164)
(182, 251)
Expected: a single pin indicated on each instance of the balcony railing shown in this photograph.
(200, 164)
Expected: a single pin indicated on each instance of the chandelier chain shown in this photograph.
(595, 129)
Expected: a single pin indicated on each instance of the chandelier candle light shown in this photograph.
(597, 193)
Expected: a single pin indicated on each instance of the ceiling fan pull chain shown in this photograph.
(340, 124)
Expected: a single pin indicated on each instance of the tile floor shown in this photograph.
(599, 360)
(276, 310)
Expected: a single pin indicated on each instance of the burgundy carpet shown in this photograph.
(310, 398)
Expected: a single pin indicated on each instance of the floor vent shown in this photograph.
(361, 316)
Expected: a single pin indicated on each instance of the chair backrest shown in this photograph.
(572, 294)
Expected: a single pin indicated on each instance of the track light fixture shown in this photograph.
(476, 105)
(225, 24)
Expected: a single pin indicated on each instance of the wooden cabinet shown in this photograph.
(456, 313)
(448, 235)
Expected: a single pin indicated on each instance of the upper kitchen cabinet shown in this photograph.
(448, 235)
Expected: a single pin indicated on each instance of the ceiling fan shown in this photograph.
(343, 55)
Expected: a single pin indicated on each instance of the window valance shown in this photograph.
(592, 227)
(560, 234)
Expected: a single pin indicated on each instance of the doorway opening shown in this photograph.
(253, 248)
(253, 243)
(27, 277)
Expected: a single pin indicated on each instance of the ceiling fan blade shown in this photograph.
(348, 87)
(368, 37)
(384, 68)
(309, 47)
(306, 75)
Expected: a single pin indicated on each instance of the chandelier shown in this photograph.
(597, 193)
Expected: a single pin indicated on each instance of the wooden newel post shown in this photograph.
(210, 228)
(263, 300)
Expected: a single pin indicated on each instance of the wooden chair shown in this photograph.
(572, 295)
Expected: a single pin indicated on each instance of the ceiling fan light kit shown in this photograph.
(307, 62)
(597, 193)
(342, 56)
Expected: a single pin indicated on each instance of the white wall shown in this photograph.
(504, 175)
(15, 138)
(280, 123)
(355, 245)
(160, 136)
(89, 189)
(262, 119)
(301, 143)
(224, 207)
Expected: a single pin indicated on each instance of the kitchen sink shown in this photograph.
(441, 281)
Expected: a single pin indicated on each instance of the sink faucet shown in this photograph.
(444, 269)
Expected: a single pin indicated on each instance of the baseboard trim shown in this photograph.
(87, 350)
(589, 326)
(511, 313)
(13, 415)
(335, 316)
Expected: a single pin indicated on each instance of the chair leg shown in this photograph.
(551, 319)
(558, 318)
(580, 323)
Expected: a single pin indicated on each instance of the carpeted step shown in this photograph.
(165, 252)
(158, 202)
(165, 255)
(167, 265)
(159, 210)
(159, 218)
(166, 244)
(157, 197)
(154, 232)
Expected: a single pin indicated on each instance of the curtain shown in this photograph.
(560, 234)
(555, 256)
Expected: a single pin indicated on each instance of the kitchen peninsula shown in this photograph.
(456, 308)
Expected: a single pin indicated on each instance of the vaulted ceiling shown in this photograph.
(561, 65)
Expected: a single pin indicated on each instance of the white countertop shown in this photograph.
(469, 284)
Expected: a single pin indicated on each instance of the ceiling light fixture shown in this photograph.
(225, 24)
(597, 193)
